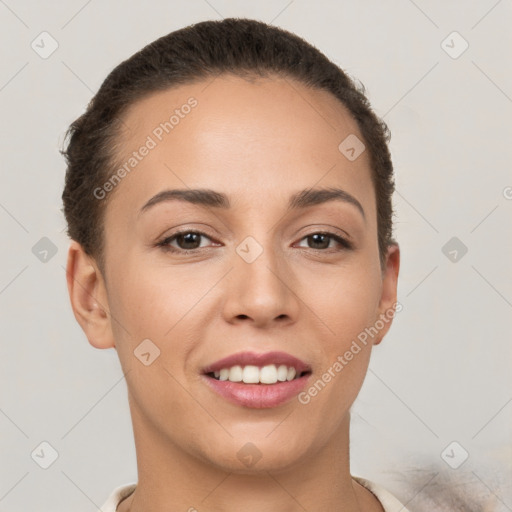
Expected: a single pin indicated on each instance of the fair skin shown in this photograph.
(259, 143)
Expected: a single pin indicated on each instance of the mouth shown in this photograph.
(258, 380)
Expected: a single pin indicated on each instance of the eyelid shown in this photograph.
(329, 229)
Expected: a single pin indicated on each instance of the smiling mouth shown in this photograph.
(251, 374)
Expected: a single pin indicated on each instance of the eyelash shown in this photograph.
(164, 244)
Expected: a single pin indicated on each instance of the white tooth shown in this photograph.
(235, 374)
(268, 374)
(291, 373)
(282, 372)
(224, 374)
(216, 374)
(251, 374)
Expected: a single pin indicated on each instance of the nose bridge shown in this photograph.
(259, 287)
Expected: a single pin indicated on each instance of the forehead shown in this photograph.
(258, 139)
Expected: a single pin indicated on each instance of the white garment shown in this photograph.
(388, 501)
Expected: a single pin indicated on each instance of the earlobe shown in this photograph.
(388, 299)
(89, 300)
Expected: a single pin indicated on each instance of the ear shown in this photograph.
(388, 301)
(88, 296)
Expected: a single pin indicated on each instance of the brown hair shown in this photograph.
(242, 47)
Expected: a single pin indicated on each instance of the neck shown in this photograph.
(168, 475)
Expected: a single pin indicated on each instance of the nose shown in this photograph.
(261, 292)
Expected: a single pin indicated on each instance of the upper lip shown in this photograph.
(260, 360)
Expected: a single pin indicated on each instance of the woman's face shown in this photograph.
(259, 278)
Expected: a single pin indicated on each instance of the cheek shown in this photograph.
(346, 308)
(346, 302)
(152, 300)
(158, 304)
(346, 312)
(149, 320)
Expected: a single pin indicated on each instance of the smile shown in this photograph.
(250, 374)
(258, 381)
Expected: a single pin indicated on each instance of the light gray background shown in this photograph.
(442, 374)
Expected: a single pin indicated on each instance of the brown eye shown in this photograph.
(319, 241)
(322, 241)
(188, 240)
(185, 241)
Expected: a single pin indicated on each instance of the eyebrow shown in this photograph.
(210, 198)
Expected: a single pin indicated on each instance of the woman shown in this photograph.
(228, 196)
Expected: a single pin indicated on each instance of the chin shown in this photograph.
(253, 454)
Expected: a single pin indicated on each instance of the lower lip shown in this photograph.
(258, 396)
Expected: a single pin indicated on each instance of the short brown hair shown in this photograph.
(238, 46)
